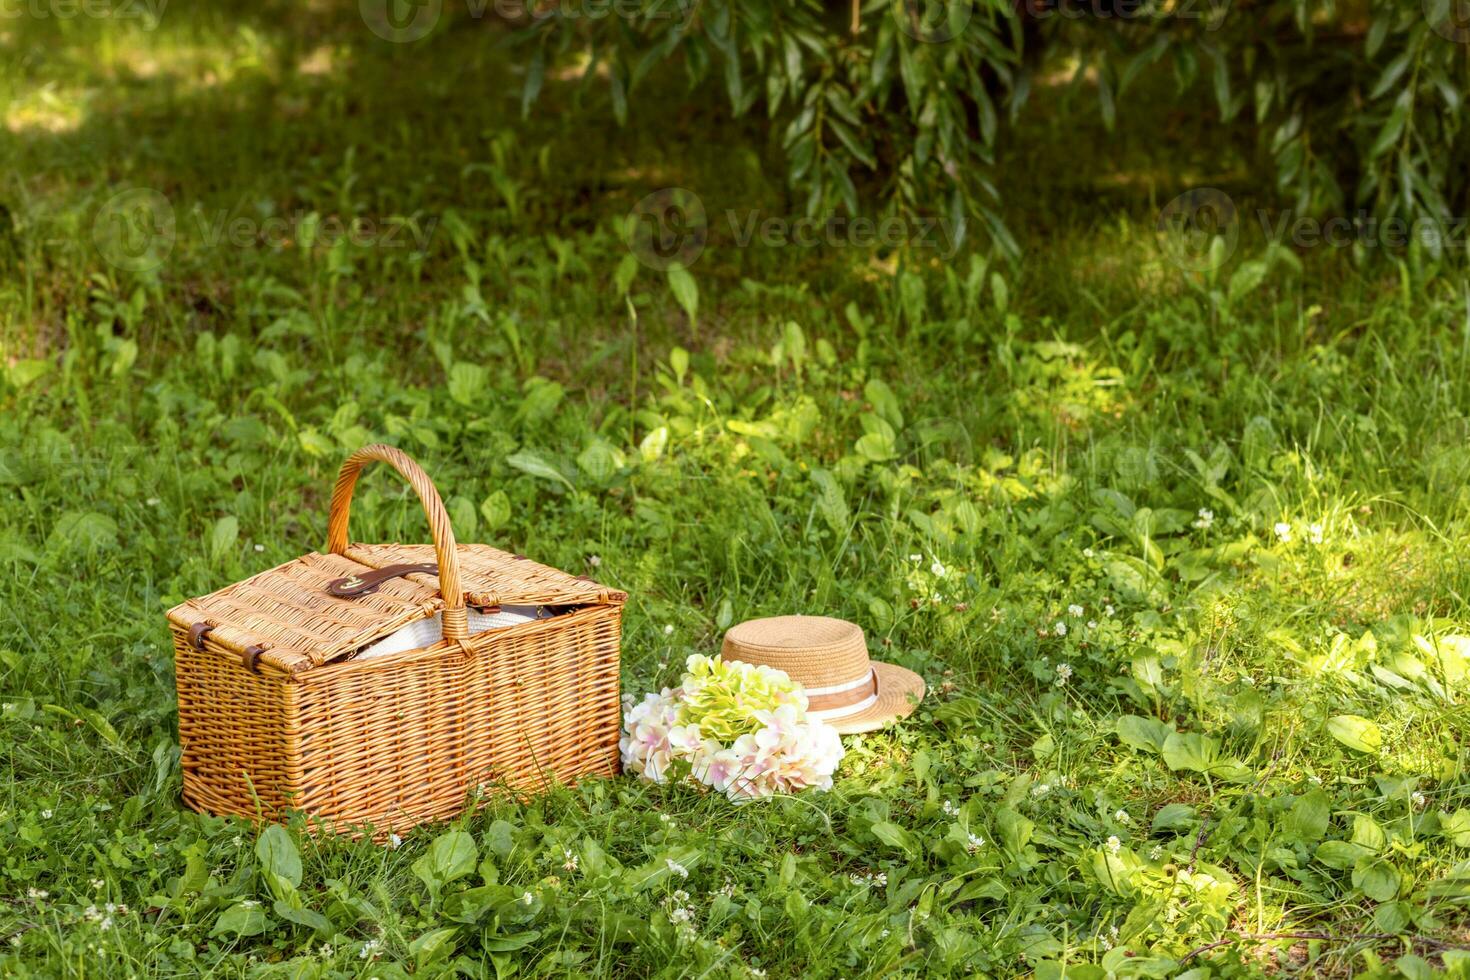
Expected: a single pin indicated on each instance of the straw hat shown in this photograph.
(828, 657)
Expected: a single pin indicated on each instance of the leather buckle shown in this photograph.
(364, 583)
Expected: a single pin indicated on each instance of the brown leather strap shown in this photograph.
(250, 655)
(196, 635)
(365, 582)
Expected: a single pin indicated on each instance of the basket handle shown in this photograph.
(456, 622)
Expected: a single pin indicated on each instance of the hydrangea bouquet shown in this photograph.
(739, 729)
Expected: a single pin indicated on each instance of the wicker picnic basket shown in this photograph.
(277, 711)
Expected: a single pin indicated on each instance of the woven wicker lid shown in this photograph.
(288, 613)
(290, 618)
(829, 658)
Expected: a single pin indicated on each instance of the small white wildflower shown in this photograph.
(1156, 853)
(1092, 624)
(949, 808)
(728, 888)
(937, 570)
(527, 898)
(883, 934)
(974, 843)
(370, 949)
(1283, 532)
(1418, 800)
(1040, 790)
(325, 950)
(756, 971)
(570, 863)
(1086, 552)
(1206, 519)
(98, 883)
(1314, 531)
(680, 896)
(36, 894)
(665, 818)
(394, 841)
(152, 501)
(249, 903)
(1075, 611)
(45, 814)
(676, 868)
(259, 548)
(1114, 844)
(668, 629)
(681, 916)
(1108, 611)
(594, 560)
(7, 706)
(1060, 629)
(1064, 674)
(105, 924)
(916, 558)
(1122, 817)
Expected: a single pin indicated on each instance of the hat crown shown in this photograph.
(815, 651)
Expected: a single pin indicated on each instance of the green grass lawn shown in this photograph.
(1182, 558)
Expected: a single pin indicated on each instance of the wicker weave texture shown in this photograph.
(288, 613)
(274, 714)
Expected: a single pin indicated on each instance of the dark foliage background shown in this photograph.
(1334, 106)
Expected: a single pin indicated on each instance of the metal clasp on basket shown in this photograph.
(365, 582)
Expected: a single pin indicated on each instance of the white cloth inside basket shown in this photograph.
(426, 632)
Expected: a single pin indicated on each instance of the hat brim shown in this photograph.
(899, 693)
